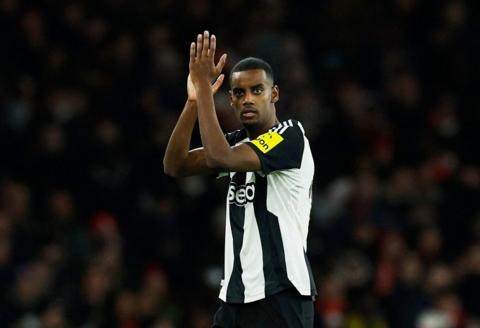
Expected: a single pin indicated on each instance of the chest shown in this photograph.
(243, 187)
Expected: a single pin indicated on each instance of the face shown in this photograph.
(253, 95)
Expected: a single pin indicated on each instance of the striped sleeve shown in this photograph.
(281, 148)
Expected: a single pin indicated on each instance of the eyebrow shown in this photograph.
(252, 87)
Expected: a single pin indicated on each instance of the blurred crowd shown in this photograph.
(93, 234)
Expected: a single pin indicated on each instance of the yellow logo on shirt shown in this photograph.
(267, 141)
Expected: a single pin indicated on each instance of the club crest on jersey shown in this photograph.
(267, 141)
(241, 195)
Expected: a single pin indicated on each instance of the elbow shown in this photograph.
(171, 170)
(174, 173)
(170, 173)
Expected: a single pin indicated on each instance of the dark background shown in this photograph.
(93, 234)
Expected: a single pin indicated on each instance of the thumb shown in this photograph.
(221, 63)
(218, 83)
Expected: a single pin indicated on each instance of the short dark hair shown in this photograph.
(251, 63)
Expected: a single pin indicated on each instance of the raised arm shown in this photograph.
(179, 160)
(218, 153)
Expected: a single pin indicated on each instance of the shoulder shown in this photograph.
(282, 147)
(288, 127)
(283, 137)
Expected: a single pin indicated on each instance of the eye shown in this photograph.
(258, 90)
(237, 93)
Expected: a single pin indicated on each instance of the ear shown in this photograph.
(275, 94)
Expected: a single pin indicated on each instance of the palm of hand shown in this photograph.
(202, 66)
(192, 94)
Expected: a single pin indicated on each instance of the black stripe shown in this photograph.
(236, 288)
(301, 127)
(313, 288)
(274, 266)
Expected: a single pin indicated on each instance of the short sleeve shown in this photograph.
(281, 148)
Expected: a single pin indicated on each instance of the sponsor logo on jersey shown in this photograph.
(267, 141)
(241, 195)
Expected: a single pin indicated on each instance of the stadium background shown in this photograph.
(93, 234)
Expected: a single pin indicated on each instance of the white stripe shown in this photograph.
(251, 257)
(288, 199)
(290, 123)
(275, 129)
(283, 129)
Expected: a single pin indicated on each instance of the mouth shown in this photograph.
(248, 113)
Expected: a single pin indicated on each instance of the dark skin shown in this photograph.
(253, 96)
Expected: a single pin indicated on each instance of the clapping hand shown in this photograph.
(202, 66)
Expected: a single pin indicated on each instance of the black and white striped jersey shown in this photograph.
(267, 217)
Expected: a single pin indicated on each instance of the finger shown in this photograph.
(199, 46)
(192, 52)
(221, 64)
(206, 44)
(218, 83)
(213, 46)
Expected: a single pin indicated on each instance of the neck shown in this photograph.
(254, 131)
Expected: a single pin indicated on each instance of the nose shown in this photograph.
(248, 99)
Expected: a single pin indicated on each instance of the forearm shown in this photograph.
(213, 140)
(179, 144)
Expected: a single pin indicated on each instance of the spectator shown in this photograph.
(387, 91)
